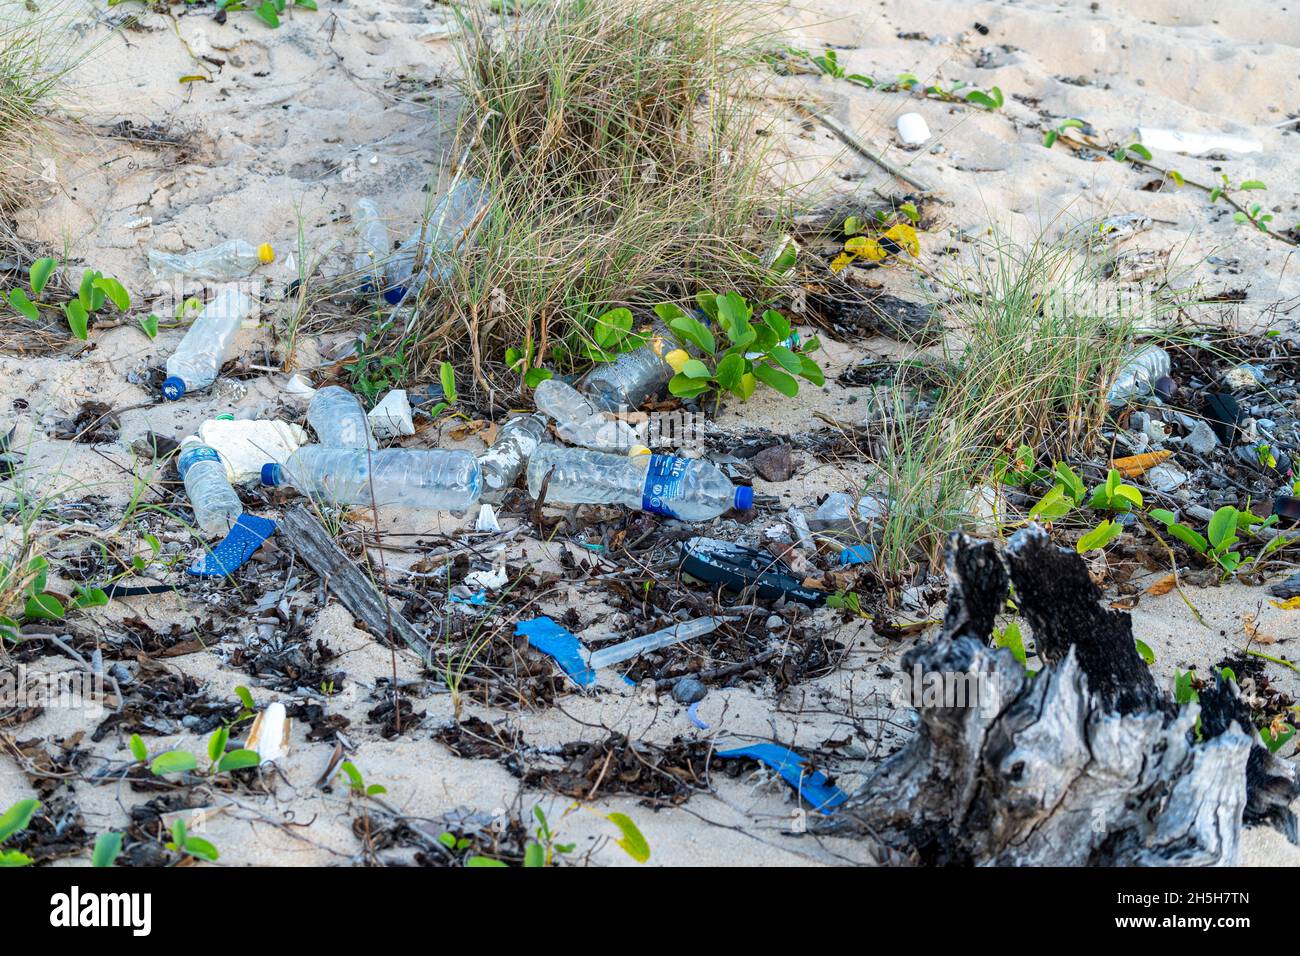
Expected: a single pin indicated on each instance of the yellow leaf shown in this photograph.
(1290, 604)
(903, 234)
(679, 357)
(840, 261)
(866, 247)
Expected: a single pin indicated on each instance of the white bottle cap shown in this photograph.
(912, 129)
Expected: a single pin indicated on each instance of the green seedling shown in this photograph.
(14, 819)
(108, 847)
(1052, 135)
(356, 784)
(182, 842)
(95, 290)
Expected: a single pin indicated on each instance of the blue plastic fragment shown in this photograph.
(858, 554)
(813, 787)
(695, 718)
(237, 547)
(477, 600)
(551, 639)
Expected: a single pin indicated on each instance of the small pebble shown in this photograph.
(688, 690)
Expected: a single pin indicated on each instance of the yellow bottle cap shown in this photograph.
(265, 253)
(638, 450)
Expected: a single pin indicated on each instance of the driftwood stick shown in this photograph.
(312, 543)
(854, 142)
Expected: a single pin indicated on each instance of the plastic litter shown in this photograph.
(245, 445)
(634, 376)
(579, 422)
(269, 736)
(737, 567)
(487, 520)
(433, 478)
(208, 343)
(609, 656)
(391, 418)
(1179, 141)
(507, 457)
(811, 785)
(339, 421)
(216, 506)
(858, 554)
(1225, 415)
(296, 384)
(548, 637)
(1288, 507)
(833, 514)
(373, 247)
(685, 488)
(1138, 374)
(247, 535)
(453, 223)
(229, 260)
(913, 129)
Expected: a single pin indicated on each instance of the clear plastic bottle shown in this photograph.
(685, 488)
(579, 422)
(634, 376)
(232, 259)
(515, 444)
(433, 478)
(373, 248)
(1138, 373)
(339, 421)
(452, 224)
(206, 346)
(216, 506)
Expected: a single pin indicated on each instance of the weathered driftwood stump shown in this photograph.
(1086, 763)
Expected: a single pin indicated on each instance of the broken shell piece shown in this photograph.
(269, 737)
(913, 129)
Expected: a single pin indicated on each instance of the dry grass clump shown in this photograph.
(616, 139)
(29, 79)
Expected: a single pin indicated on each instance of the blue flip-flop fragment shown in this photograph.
(813, 787)
(229, 556)
(553, 640)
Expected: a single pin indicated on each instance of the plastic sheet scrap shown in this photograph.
(229, 556)
(551, 639)
(813, 787)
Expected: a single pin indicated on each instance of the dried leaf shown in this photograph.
(1135, 466)
(1163, 586)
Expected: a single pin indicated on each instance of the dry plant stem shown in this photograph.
(855, 142)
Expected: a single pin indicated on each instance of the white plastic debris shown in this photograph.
(487, 520)
(913, 129)
(675, 634)
(245, 445)
(487, 580)
(392, 416)
(1166, 476)
(296, 384)
(269, 738)
(1180, 141)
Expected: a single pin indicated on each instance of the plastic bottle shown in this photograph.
(579, 422)
(515, 444)
(431, 478)
(339, 421)
(232, 259)
(634, 376)
(374, 246)
(216, 506)
(206, 346)
(686, 488)
(1138, 373)
(452, 224)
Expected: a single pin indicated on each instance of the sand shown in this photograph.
(353, 101)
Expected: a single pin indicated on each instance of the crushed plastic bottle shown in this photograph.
(374, 246)
(634, 376)
(232, 259)
(207, 345)
(685, 488)
(339, 421)
(579, 422)
(432, 478)
(501, 464)
(216, 506)
(452, 224)
(1138, 374)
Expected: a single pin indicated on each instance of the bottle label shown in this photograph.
(192, 455)
(663, 484)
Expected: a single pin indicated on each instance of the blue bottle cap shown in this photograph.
(395, 294)
(172, 388)
(272, 474)
(744, 498)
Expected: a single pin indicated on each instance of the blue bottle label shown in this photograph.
(192, 455)
(663, 484)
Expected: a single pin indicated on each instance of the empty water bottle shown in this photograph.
(432, 478)
(339, 421)
(452, 225)
(373, 247)
(1138, 373)
(208, 343)
(515, 444)
(634, 376)
(216, 506)
(686, 488)
(232, 259)
(579, 422)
